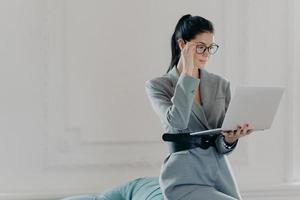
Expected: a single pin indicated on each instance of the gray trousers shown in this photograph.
(198, 174)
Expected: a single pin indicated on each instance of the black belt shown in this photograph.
(184, 141)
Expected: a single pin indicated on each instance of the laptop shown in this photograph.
(254, 105)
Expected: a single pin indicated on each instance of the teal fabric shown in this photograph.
(145, 188)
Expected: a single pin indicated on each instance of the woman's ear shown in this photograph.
(181, 43)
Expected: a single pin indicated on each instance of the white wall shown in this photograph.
(74, 116)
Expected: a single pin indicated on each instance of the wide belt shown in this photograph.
(185, 141)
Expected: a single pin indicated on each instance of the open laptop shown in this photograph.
(256, 106)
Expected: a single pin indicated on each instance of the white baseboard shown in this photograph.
(38, 196)
(275, 192)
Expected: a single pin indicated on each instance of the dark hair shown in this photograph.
(187, 28)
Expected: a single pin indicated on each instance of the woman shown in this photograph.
(188, 99)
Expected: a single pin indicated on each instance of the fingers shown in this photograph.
(229, 134)
(189, 45)
(184, 44)
(246, 130)
(239, 132)
(187, 55)
(242, 130)
(189, 48)
(233, 133)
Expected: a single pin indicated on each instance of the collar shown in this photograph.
(174, 75)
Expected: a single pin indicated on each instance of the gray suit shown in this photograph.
(195, 173)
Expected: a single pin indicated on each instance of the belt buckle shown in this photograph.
(203, 142)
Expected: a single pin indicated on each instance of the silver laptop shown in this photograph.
(256, 106)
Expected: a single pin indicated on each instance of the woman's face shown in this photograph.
(205, 39)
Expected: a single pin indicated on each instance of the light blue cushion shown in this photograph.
(145, 188)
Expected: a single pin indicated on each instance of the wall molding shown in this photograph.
(66, 146)
(292, 164)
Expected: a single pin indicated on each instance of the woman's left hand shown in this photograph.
(232, 136)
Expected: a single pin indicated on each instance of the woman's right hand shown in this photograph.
(241, 131)
(187, 59)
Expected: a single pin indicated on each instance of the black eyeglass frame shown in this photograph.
(206, 47)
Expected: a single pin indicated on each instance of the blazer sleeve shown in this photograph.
(221, 145)
(173, 111)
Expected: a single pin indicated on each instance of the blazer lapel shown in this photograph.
(200, 114)
(205, 94)
(207, 89)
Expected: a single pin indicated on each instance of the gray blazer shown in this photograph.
(185, 173)
(172, 98)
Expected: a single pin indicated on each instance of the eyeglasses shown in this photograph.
(212, 49)
(201, 48)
